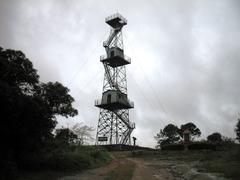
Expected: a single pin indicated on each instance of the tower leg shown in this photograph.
(112, 126)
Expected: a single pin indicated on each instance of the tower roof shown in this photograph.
(116, 20)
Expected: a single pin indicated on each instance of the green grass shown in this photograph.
(124, 171)
(225, 162)
(121, 154)
(63, 162)
(78, 158)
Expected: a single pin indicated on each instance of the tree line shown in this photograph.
(171, 134)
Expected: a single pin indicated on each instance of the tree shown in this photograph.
(83, 132)
(56, 96)
(227, 141)
(195, 132)
(215, 138)
(28, 106)
(237, 130)
(65, 136)
(17, 71)
(168, 135)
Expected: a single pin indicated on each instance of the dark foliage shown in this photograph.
(27, 108)
(168, 135)
(173, 147)
(172, 134)
(237, 130)
(17, 71)
(195, 132)
(215, 138)
(201, 146)
(56, 96)
(191, 146)
(65, 136)
(65, 159)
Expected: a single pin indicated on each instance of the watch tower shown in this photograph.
(114, 126)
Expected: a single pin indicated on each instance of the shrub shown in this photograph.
(68, 159)
(200, 146)
(173, 147)
(9, 170)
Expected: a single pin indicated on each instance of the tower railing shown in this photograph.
(131, 103)
(98, 102)
(113, 33)
(116, 15)
(132, 125)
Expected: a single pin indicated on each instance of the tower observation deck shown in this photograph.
(114, 126)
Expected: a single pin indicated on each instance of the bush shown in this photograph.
(68, 159)
(191, 146)
(201, 145)
(9, 170)
(173, 147)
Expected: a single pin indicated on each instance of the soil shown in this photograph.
(142, 171)
(158, 167)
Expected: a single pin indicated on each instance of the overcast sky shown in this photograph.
(185, 57)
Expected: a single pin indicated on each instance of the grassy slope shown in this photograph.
(60, 163)
(225, 162)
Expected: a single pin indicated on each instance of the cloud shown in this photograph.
(185, 57)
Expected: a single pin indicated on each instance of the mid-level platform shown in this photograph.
(115, 61)
(114, 100)
(114, 105)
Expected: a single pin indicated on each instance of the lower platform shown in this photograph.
(115, 61)
(114, 106)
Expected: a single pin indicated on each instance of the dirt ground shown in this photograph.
(163, 166)
(142, 171)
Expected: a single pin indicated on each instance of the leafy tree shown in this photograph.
(195, 132)
(17, 71)
(215, 138)
(66, 136)
(28, 107)
(237, 130)
(168, 135)
(56, 96)
(228, 142)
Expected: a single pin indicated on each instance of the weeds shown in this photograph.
(66, 160)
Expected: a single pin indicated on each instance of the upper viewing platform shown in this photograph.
(116, 20)
(115, 57)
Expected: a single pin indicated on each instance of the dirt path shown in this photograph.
(142, 171)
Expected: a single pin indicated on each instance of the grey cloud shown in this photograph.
(185, 57)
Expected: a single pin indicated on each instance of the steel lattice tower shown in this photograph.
(114, 126)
